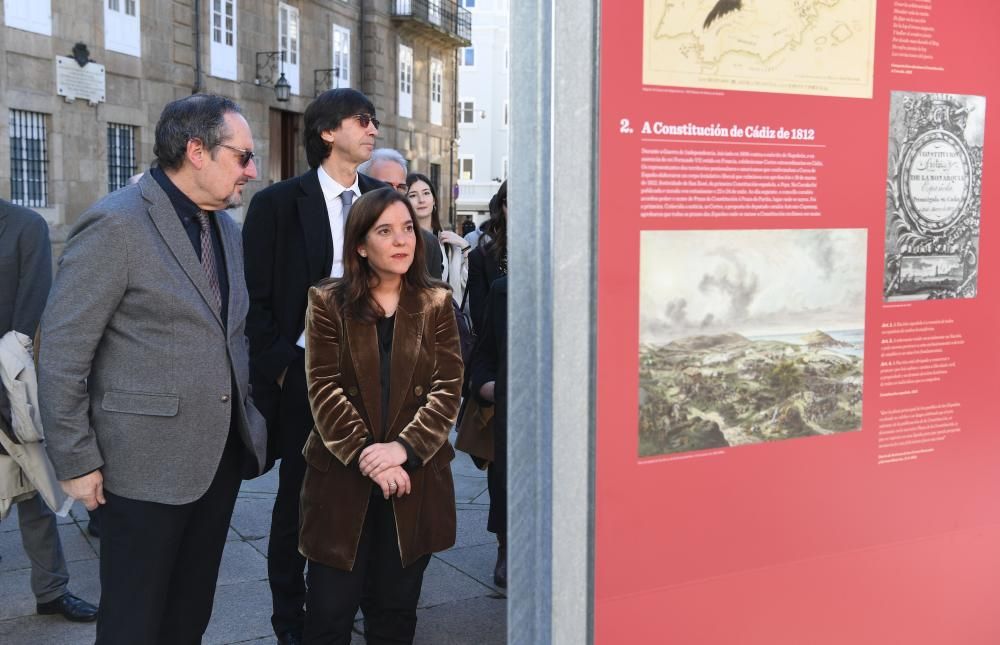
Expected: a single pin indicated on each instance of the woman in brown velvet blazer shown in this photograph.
(384, 372)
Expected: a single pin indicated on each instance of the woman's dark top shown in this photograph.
(384, 328)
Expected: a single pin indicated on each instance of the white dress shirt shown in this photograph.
(334, 207)
(334, 210)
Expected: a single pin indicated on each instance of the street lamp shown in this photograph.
(282, 89)
(265, 72)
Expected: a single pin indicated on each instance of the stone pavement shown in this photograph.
(459, 604)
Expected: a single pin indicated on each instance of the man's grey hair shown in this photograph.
(383, 154)
(199, 116)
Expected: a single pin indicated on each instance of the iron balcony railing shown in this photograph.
(445, 15)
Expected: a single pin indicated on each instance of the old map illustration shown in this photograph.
(819, 47)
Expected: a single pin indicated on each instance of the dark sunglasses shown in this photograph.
(365, 119)
(246, 156)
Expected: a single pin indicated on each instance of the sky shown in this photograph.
(751, 282)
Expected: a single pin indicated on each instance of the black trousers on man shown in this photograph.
(285, 565)
(385, 590)
(160, 562)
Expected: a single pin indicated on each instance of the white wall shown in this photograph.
(488, 83)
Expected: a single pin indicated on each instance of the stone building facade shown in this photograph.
(59, 156)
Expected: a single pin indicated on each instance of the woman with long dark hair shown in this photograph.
(454, 248)
(384, 372)
(487, 269)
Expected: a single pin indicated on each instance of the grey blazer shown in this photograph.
(25, 268)
(136, 369)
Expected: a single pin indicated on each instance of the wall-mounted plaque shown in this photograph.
(76, 82)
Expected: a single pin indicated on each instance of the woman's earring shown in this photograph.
(363, 254)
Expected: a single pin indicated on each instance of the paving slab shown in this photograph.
(477, 621)
(241, 563)
(19, 601)
(444, 584)
(474, 561)
(266, 483)
(9, 523)
(462, 465)
(472, 527)
(242, 613)
(483, 499)
(15, 589)
(260, 544)
(75, 547)
(468, 488)
(45, 630)
(252, 517)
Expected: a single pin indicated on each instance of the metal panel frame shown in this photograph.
(552, 229)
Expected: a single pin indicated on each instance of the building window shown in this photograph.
(434, 11)
(121, 155)
(468, 4)
(224, 22)
(465, 168)
(29, 159)
(29, 15)
(128, 6)
(342, 56)
(405, 81)
(467, 56)
(223, 44)
(466, 112)
(437, 86)
(288, 43)
(122, 32)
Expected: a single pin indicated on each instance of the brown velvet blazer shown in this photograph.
(342, 373)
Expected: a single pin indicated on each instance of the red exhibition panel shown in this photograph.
(799, 281)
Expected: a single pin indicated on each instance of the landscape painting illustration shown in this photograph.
(749, 336)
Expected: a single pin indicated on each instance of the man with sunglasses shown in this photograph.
(144, 374)
(293, 237)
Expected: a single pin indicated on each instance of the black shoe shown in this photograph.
(71, 608)
(500, 570)
(290, 638)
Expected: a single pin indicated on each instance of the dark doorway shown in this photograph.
(284, 130)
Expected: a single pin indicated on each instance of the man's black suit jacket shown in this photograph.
(288, 248)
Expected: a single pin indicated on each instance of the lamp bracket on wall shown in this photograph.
(270, 64)
(323, 80)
